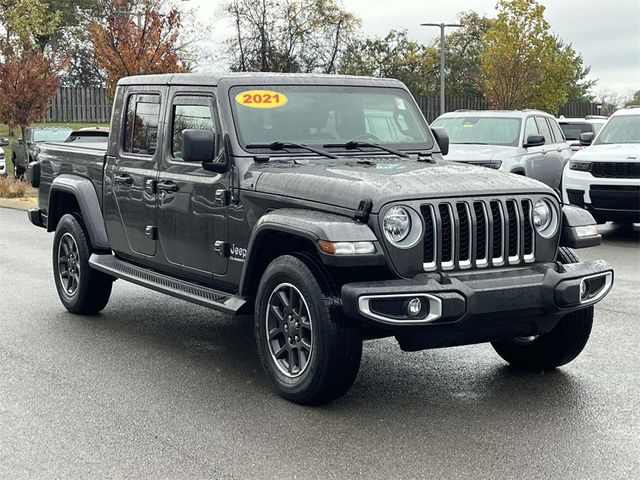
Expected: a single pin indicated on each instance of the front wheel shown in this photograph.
(310, 354)
(555, 348)
(80, 288)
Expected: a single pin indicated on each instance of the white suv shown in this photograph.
(605, 177)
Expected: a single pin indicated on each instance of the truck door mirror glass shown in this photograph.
(4, 141)
(442, 138)
(586, 139)
(534, 141)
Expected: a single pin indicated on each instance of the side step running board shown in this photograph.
(184, 290)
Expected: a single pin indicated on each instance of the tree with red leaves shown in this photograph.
(27, 82)
(138, 37)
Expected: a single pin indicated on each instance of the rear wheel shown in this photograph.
(80, 288)
(310, 354)
(555, 348)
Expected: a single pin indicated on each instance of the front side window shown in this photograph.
(141, 124)
(188, 117)
(320, 115)
(544, 129)
(481, 130)
(620, 129)
(530, 128)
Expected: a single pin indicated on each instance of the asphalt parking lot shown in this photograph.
(158, 388)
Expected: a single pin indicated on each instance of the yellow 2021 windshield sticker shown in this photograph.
(261, 99)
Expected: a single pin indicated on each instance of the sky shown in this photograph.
(606, 33)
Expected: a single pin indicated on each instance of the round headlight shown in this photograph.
(543, 218)
(396, 224)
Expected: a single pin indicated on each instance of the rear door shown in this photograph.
(130, 198)
(192, 202)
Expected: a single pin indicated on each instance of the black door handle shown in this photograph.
(167, 187)
(124, 179)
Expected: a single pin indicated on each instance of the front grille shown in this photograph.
(615, 197)
(615, 169)
(477, 233)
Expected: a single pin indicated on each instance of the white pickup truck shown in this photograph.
(605, 177)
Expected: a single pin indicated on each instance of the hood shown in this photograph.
(470, 153)
(345, 183)
(615, 152)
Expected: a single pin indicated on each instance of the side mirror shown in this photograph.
(442, 138)
(200, 146)
(586, 139)
(4, 141)
(534, 141)
(20, 141)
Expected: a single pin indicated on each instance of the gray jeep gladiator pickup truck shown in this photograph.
(322, 206)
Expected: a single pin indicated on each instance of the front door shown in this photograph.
(130, 199)
(192, 202)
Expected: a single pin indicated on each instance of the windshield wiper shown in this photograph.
(353, 145)
(285, 145)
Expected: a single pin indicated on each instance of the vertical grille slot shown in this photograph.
(527, 231)
(514, 231)
(429, 245)
(464, 234)
(446, 222)
(497, 254)
(478, 233)
(482, 234)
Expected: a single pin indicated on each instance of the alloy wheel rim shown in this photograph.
(289, 330)
(69, 264)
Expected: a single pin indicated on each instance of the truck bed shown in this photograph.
(58, 158)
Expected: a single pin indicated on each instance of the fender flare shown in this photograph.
(573, 218)
(87, 197)
(312, 226)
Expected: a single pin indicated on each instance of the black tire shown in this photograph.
(89, 293)
(18, 171)
(333, 362)
(558, 347)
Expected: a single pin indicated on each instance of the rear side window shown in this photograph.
(141, 124)
(557, 133)
(544, 129)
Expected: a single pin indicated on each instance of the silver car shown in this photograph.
(524, 142)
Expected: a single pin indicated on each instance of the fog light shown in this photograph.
(414, 307)
(584, 290)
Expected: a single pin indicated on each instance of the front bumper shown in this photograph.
(616, 199)
(475, 307)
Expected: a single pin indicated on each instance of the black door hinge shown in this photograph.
(221, 198)
(151, 232)
(221, 248)
(363, 211)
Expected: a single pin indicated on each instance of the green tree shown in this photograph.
(288, 35)
(523, 64)
(394, 56)
(463, 49)
(634, 99)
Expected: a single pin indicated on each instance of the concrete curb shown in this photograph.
(19, 203)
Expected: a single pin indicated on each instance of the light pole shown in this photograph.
(442, 26)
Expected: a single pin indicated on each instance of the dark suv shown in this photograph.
(321, 205)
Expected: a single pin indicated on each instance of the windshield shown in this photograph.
(481, 130)
(50, 135)
(620, 129)
(320, 115)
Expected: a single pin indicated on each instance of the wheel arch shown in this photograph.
(69, 194)
(286, 231)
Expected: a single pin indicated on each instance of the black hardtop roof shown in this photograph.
(249, 78)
